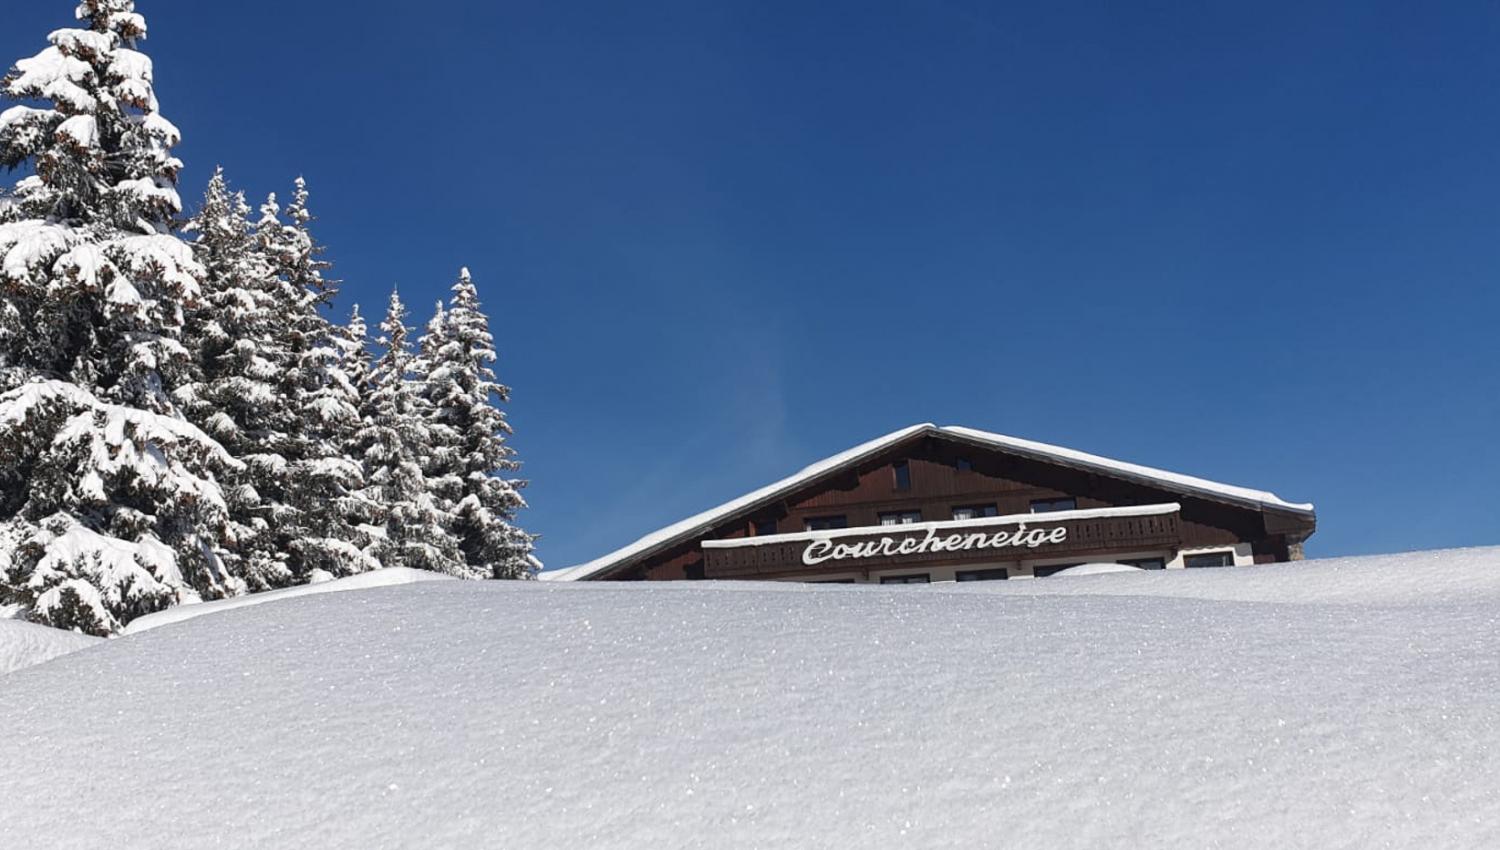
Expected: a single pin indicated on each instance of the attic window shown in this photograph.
(903, 475)
(963, 464)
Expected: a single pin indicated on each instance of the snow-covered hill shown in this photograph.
(1348, 703)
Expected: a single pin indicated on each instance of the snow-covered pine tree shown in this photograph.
(327, 482)
(321, 479)
(394, 442)
(238, 335)
(301, 259)
(443, 457)
(470, 459)
(354, 345)
(111, 494)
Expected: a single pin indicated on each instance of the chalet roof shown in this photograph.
(1171, 481)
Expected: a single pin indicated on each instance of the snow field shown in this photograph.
(1346, 703)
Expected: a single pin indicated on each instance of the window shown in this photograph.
(1044, 506)
(919, 578)
(900, 517)
(974, 511)
(963, 464)
(823, 523)
(764, 527)
(1146, 563)
(903, 475)
(832, 581)
(694, 572)
(1210, 559)
(999, 574)
(1043, 572)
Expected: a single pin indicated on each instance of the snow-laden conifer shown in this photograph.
(327, 485)
(98, 277)
(322, 382)
(300, 254)
(111, 492)
(242, 355)
(471, 463)
(395, 443)
(355, 347)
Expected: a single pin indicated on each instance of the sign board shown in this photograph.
(821, 551)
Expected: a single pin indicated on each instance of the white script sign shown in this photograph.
(819, 551)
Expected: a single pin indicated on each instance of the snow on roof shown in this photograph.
(1016, 445)
(1121, 469)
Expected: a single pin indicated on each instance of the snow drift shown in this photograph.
(1344, 703)
(388, 577)
(25, 644)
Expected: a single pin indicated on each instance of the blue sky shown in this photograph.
(722, 240)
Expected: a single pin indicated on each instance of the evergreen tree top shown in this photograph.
(292, 247)
(225, 215)
(113, 16)
(101, 149)
(297, 211)
(357, 323)
(393, 329)
(465, 294)
(390, 376)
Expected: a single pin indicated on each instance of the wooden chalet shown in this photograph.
(930, 503)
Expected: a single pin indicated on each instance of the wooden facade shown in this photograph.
(932, 476)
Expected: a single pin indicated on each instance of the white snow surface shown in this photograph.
(1170, 480)
(1094, 569)
(25, 644)
(1326, 704)
(361, 581)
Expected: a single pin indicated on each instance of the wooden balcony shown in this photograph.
(1087, 534)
